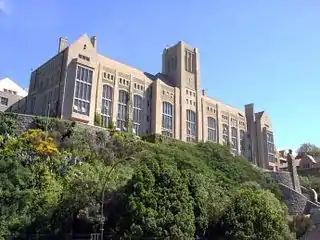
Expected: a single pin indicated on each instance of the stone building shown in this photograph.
(10, 93)
(78, 83)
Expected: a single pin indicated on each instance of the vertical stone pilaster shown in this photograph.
(294, 173)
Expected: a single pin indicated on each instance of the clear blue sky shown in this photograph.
(266, 52)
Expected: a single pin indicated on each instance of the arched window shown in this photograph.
(212, 129)
(225, 133)
(191, 126)
(106, 105)
(234, 140)
(167, 113)
(122, 109)
(242, 142)
(137, 113)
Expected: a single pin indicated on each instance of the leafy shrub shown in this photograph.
(254, 214)
(159, 203)
(8, 124)
(97, 119)
(41, 142)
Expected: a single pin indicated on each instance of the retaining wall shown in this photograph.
(282, 177)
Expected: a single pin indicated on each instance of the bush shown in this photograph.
(254, 214)
(97, 119)
(41, 142)
(8, 124)
(159, 203)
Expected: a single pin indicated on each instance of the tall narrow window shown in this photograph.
(167, 113)
(212, 129)
(191, 126)
(225, 134)
(122, 109)
(234, 140)
(270, 147)
(82, 93)
(190, 61)
(106, 105)
(242, 142)
(137, 114)
(186, 60)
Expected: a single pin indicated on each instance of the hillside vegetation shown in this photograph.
(52, 176)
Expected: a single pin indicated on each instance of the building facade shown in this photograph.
(10, 93)
(79, 83)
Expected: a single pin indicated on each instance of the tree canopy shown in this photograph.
(309, 148)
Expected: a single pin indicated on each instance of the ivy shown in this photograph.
(97, 119)
(111, 125)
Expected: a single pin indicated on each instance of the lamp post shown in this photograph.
(103, 194)
(47, 120)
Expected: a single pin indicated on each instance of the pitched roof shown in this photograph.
(7, 83)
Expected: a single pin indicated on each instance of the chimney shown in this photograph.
(94, 41)
(62, 44)
(204, 92)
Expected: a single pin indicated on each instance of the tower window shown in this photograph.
(191, 126)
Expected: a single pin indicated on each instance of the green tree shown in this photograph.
(307, 147)
(158, 202)
(254, 214)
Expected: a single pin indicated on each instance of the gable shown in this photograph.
(85, 42)
(7, 83)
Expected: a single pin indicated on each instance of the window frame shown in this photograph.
(191, 123)
(212, 129)
(82, 90)
(167, 119)
(122, 108)
(106, 100)
(137, 116)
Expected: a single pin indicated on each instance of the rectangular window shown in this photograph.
(212, 129)
(82, 93)
(122, 110)
(167, 116)
(106, 105)
(137, 114)
(225, 133)
(234, 140)
(4, 101)
(191, 126)
(270, 146)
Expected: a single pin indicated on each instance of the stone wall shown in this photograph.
(282, 177)
(296, 202)
(25, 122)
